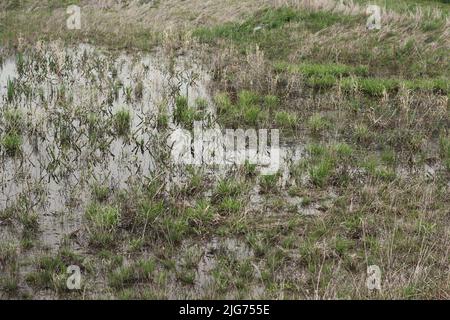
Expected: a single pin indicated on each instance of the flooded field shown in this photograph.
(279, 154)
(82, 123)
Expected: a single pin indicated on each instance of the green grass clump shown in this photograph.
(44, 276)
(223, 103)
(321, 172)
(10, 91)
(268, 183)
(103, 217)
(139, 91)
(162, 120)
(251, 109)
(248, 98)
(100, 192)
(122, 122)
(200, 216)
(377, 87)
(227, 188)
(227, 196)
(12, 143)
(14, 120)
(8, 253)
(103, 222)
(441, 85)
(121, 277)
(318, 123)
(150, 210)
(14, 125)
(185, 115)
(138, 272)
(324, 161)
(50, 271)
(29, 221)
(286, 120)
(271, 102)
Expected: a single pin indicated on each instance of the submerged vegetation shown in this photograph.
(87, 177)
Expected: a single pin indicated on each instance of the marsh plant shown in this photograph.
(88, 178)
(103, 222)
(122, 122)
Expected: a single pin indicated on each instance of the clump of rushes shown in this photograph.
(20, 63)
(200, 216)
(230, 205)
(51, 271)
(10, 91)
(251, 109)
(12, 143)
(122, 122)
(162, 120)
(227, 188)
(8, 253)
(103, 222)
(139, 271)
(100, 192)
(183, 114)
(201, 104)
(271, 102)
(14, 120)
(268, 183)
(149, 211)
(286, 120)
(318, 123)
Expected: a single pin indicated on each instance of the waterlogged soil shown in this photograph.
(58, 163)
(71, 143)
(67, 99)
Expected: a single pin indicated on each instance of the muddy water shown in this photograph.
(67, 96)
(58, 165)
(57, 90)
